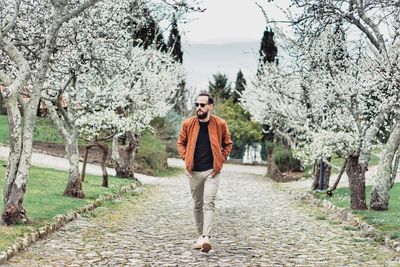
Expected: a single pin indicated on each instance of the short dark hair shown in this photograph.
(210, 99)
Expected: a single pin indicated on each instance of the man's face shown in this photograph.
(203, 107)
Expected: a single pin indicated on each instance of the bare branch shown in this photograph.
(263, 11)
(24, 44)
(379, 42)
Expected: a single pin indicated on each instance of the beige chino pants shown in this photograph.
(204, 192)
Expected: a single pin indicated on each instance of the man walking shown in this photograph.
(204, 144)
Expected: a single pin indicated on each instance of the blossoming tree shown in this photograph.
(28, 33)
(42, 41)
(114, 88)
(324, 105)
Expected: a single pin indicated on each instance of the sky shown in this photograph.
(207, 39)
(225, 21)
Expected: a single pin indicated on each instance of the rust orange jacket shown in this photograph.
(220, 140)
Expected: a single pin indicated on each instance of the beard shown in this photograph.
(202, 116)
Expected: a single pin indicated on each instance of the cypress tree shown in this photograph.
(175, 47)
(220, 88)
(268, 50)
(145, 31)
(268, 53)
(239, 87)
(174, 42)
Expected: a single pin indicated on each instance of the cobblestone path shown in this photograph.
(256, 225)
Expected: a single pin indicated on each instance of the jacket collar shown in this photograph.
(210, 122)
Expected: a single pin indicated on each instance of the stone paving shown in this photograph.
(257, 224)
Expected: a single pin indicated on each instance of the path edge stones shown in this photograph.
(345, 215)
(58, 221)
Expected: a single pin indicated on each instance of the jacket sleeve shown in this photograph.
(226, 141)
(182, 141)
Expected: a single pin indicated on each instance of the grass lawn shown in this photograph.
(45, 131)
(386, 221)
(3, 129)
(338, 162)
(373, 161)
(44, 199)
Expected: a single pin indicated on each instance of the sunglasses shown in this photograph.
(200, 104)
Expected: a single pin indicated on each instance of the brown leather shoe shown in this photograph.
(206, 246)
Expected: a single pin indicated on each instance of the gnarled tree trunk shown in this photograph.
(123, 154)
(20, 137)
(271, 167)
(17, 169)
(70, 137)
(74, 184)
(356, 174)
(380, 191)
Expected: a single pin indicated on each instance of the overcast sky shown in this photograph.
(224, 22)
(230, 20)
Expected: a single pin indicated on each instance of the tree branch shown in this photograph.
(11, 24)
(79, 10)
(378, 36)
(287, 137)
(5, 79)
(334, 186)
(23, 67)
(364, 29)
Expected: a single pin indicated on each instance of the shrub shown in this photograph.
(152, 156)
(283, 158)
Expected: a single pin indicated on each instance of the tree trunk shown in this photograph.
(84, 163)
(395, 168)
(317, 174)
(104, 147)
(270, 164)
(15, 182)
(123, 155)
(380, 191)
(19, 160)
(61, 121)
(356, 174)
(329, 192)
(275, 173)
(20, 137)
(74, 185)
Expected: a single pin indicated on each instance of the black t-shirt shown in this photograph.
(203, 157)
